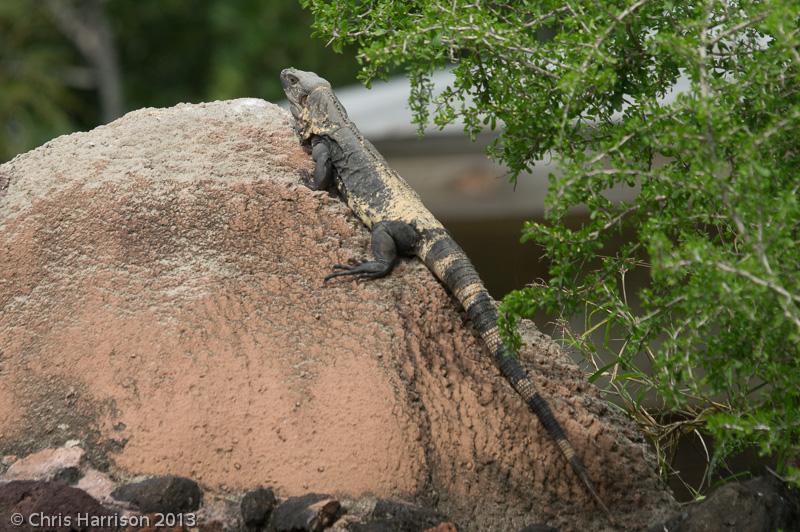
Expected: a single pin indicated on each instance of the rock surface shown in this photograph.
(761, 504)
(538, 528)
(161, 300)
(393, 516)
(50, 506)
(97, 484)
(167, 494)
(257, 506)
(312, 512)
(47, 464)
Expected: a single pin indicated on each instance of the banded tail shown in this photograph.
(450, 264)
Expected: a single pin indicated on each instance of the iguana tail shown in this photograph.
(450, 264)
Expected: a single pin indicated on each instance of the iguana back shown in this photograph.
(372, 190)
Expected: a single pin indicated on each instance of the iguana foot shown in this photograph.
(370, 269)
(389, 239)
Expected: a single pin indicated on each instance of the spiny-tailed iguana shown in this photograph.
(402, 225)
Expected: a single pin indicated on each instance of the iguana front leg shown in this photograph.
(323, 168)
(389, 240)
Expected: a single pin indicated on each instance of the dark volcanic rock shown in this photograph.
(65, 507)
(395, 516)
(443, 527)
(68, 475)
(762, 504)
(257, 505)
(308, 513)
(538, 528)
(168, 494)
(381, 525)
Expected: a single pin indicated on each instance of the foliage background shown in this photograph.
(55, 54)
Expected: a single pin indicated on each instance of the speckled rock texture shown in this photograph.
(161, 301)
(760, 504)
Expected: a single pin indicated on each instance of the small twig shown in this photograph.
(734, 29)
(757, 280)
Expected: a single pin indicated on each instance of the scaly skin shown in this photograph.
(401, 224)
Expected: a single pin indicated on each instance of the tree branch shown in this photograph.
(85, 24)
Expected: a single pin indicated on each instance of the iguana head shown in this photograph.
(298, 84)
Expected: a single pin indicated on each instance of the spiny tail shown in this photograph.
(450, 264)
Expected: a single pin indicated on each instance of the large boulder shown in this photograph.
(162, 302)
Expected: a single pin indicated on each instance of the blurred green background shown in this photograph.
(70, 65)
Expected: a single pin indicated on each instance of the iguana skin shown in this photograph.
(402, 225)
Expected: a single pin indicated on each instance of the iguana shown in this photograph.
(402, 225)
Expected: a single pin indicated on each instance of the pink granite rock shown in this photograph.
(44, 465)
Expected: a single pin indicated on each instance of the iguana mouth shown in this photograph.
(296, 106)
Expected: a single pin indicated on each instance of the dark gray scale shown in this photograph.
(353, 156)
(483, 313)
(359, 173)
(346, 170)
(459, 274)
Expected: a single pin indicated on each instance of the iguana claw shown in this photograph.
(371, 269)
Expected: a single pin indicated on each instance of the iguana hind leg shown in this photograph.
(389, 240)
